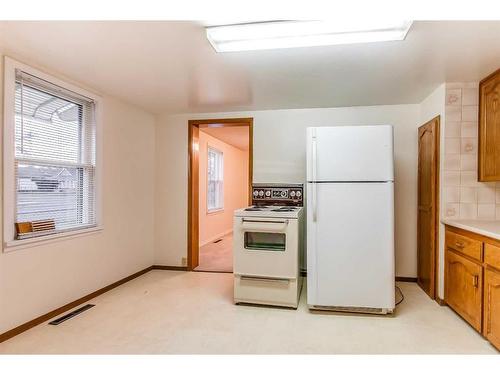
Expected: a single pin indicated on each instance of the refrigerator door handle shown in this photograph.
(314, 152)
(314, 187)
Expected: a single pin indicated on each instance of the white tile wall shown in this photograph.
(464, 197)
(468, 195)
(467, 129)
(452, 162)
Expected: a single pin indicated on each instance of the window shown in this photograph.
(50, 156)
(215, 180)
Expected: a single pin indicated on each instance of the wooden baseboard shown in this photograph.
(398, 278)
(441, 302)
(406, 279)
(169, 268)
(32, 323)
(207, 271)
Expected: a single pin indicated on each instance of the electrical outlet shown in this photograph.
(184, 261)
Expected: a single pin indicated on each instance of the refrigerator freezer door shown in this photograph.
(350, 153)
(350, 245)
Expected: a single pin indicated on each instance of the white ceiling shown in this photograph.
(169, 67)
(236, 136)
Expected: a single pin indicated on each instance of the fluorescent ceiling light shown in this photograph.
(291, 34)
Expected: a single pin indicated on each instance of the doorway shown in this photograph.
(428, 206)
(219, 181)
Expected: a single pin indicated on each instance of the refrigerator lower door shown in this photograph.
(350, 246)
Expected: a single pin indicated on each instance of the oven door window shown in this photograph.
(265, 241)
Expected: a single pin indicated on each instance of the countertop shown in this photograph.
(488, 228)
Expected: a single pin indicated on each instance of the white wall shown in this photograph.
(279, 156)
(38, 279)
(431, 107)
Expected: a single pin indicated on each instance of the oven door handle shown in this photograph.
(275, 226)
(265, 221)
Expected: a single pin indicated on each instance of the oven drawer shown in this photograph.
(266, 291)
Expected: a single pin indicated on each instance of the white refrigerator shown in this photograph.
(350, 219)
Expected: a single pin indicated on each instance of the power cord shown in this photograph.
(402, 296)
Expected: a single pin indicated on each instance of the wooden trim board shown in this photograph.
(406, 279)
(169, 268)
(32, 323)
(441, 302)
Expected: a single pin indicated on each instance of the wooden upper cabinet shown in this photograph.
(489, 128)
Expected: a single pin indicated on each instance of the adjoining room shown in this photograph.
(223, 166)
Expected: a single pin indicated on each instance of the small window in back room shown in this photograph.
(215, 180)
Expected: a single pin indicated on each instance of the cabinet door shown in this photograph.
(463, 288)
(489, 128)
(492, 307)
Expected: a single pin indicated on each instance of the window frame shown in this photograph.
(10, 242)
(221, 153)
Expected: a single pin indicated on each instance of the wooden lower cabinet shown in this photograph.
(472, 280)
(491, 322)
(463, 287)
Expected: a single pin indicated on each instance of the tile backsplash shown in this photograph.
(463, 196)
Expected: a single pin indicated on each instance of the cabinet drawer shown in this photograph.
(463, 288)
(465, 245)
(492, 255)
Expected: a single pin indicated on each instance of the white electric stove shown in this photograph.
(267, 243)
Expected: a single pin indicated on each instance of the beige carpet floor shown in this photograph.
(218, 256)
(193, 312)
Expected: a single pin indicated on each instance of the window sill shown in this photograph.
(50, 238)
(215, 211)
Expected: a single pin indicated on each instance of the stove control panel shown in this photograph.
(274, 194)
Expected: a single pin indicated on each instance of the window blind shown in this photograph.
(215, 180)
(55, 157)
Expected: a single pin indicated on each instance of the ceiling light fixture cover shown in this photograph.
(292, 34)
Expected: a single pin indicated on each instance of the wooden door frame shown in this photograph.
(193, 178)
(435, 263)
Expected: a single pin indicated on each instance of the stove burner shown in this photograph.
(257, 207)
(284, 209)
